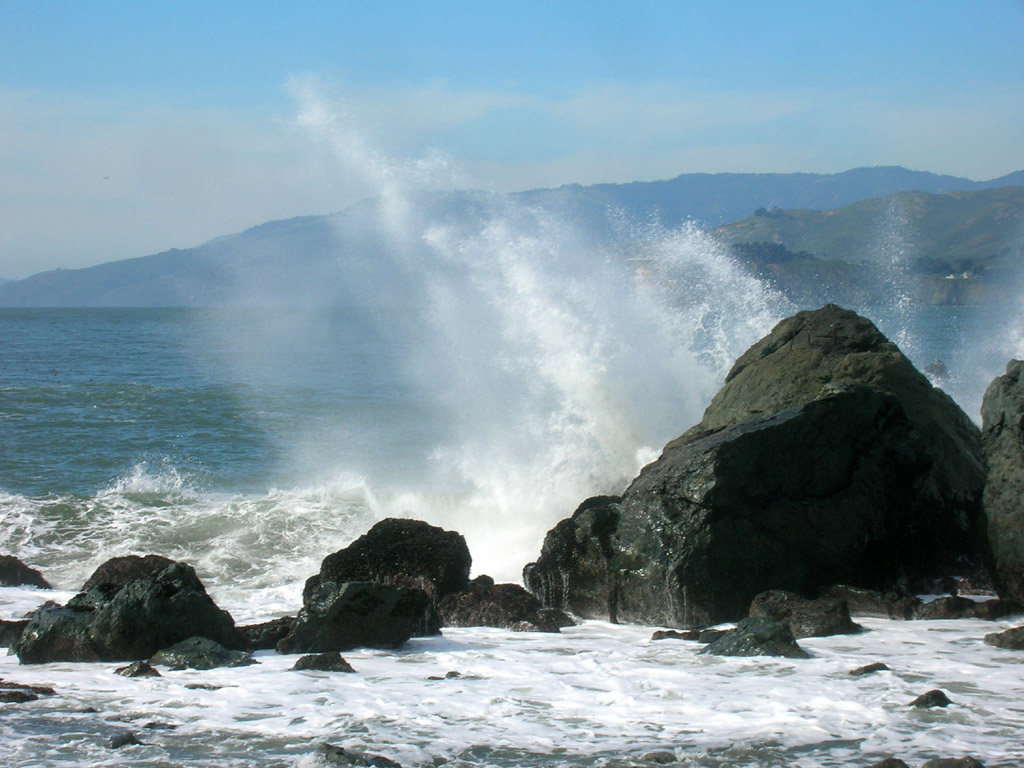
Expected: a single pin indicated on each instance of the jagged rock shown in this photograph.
(869, 669)
(404, 553)
(1002, 418)
(338, 617)
(935, 698)
(952, 762)
(331, 661)
(333, 755)
(130, 624)
(266, 636)
(126, 569)
(757, 637)
(201, 653)
(1011, 639)
(14, 573)
(10, 631)
(826, 458)
(137, 669)
(875, 604)
(508, 606)
(822, 617)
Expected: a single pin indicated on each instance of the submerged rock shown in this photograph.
(952, 762)
(826, 458)
(333, 755)
(822, 617)
(18, 693)
(339, 617)
(127, 624)
(757, 637)
(137, 669)
(14, 573)
(931, 699)
(119, 571)
(201, 653)
(404, 553)
(507, 606)
(1011, 639)
(1002, 416)
(869, 669)
(331, 661)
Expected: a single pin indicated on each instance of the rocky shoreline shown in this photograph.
(827, 480)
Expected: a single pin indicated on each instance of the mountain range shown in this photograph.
(815, 236)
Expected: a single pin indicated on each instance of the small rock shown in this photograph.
(672, 634)
(868, 669)
(330, 661)
(334, 755)
(127, 739)
(1011, 639)
(757, 637)
(661, 757)
(14, 573)
(201, 653)
(16, 696)
(935, 698)
(17, 693)
(137, 669)
(952, 762)
(451, 675)
(890, 762)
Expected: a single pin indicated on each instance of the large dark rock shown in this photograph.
(339, 617)
(10, 631)
(826, 458)
(404, 553)
(757, 637)
(200, 653)
(1002, 417)
(266, 635)
(14, 573)
(486, 604)
(127, 624)
(1010, 639)
(822, 617)
(872, 603)
(126, 569)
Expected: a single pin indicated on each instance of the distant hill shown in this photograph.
(314, 257)
(958, 247)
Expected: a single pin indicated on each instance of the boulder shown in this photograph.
(123, 570)
(334, 755)
(137, 669)
(757, 637)
(1002, 423)
(875, 604)
(952, 762)
(822, 617)
(14, 573)
(890, 762)
(826, 458)
(404, 553)
(869, 669)
(1010, 639)
(266, 636)
(127, 624)
(339, 617)
(486, 604)
(956, 607)
(10, 631)
(931, 699)
(201, 653)
(331, 661)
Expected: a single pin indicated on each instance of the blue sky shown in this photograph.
(128, 128)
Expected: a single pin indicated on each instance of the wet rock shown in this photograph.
(405, 553)
(137, 669)
(869, 669)
(333, 755)
(826, 458)
(339, 617)
(706, 636)
(672, 634)
(10, 631)
(952, 762)
(18, 693)
(127, 624)
(661, 757)
(757, 637)
(507, 606)
(1011, 639)
(822, 617)
(266, 636)
(931, 699)
(890, 762)
(126, 739)
(331, 661)
(119, 571)
(14, 573)
(1002, 416)
(948, 607)
(873, 603)
(201, 653)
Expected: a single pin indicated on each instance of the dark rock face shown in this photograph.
(1002, 416)
(339, 617)
(123, 570)
(322, 662)
(14, 573)
(200, 653)
(757, 637)
(954, 607)
(404, 553)
(266, 636)
(1011, 639)
(826, 458)
(10, 631)
(806, 618)
(127, 624)
(486, 604)
(871, 603)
